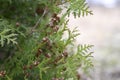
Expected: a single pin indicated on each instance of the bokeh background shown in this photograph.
(103, 31)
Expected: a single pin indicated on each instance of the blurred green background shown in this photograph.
(103, 31)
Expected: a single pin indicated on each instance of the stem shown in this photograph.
(39, 20)
(62, 3)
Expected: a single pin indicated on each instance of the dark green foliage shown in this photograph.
(32, 46)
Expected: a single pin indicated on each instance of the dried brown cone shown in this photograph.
(54, 15)
(58, 19)
(45, 39)
(36, 63)
(31, 66)
(39, 52)
(56, 28)
(2, 73)
(39, 11)
(17, 24)
(25, 67)
(54, 21)
(65, 54)
(47, 55)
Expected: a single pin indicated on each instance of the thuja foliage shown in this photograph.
(32, 46)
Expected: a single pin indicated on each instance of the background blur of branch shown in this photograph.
(102, 30)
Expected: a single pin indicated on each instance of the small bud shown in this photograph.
(35, 63)
(2, 73)
(39, 50)
(39, 53)
(48, 55)
(39, 11)
(51, 24)
(58, 19)
(65, 54)
(56, 28)
(45, 39)
(31, 66)
(24, 67)
(54, 15)
(17, 24)
(54, 21)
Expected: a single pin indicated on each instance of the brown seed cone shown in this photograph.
(17, 24)
(58, 19)
(35, 63)
(45, 39)
(54, 15)
(65, 54)
(39, 11)
(39, 52)
(31, 66)
(47, 55)
(2, 73)
(55, 29)
(25, 67)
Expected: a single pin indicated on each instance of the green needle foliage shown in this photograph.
(32, 46)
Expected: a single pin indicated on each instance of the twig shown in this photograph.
(62, 3)
(39, 20)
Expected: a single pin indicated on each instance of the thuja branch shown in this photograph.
(45, 55)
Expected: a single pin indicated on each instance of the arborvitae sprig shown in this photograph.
(79, 8)
(7, 34)
(41, 52)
